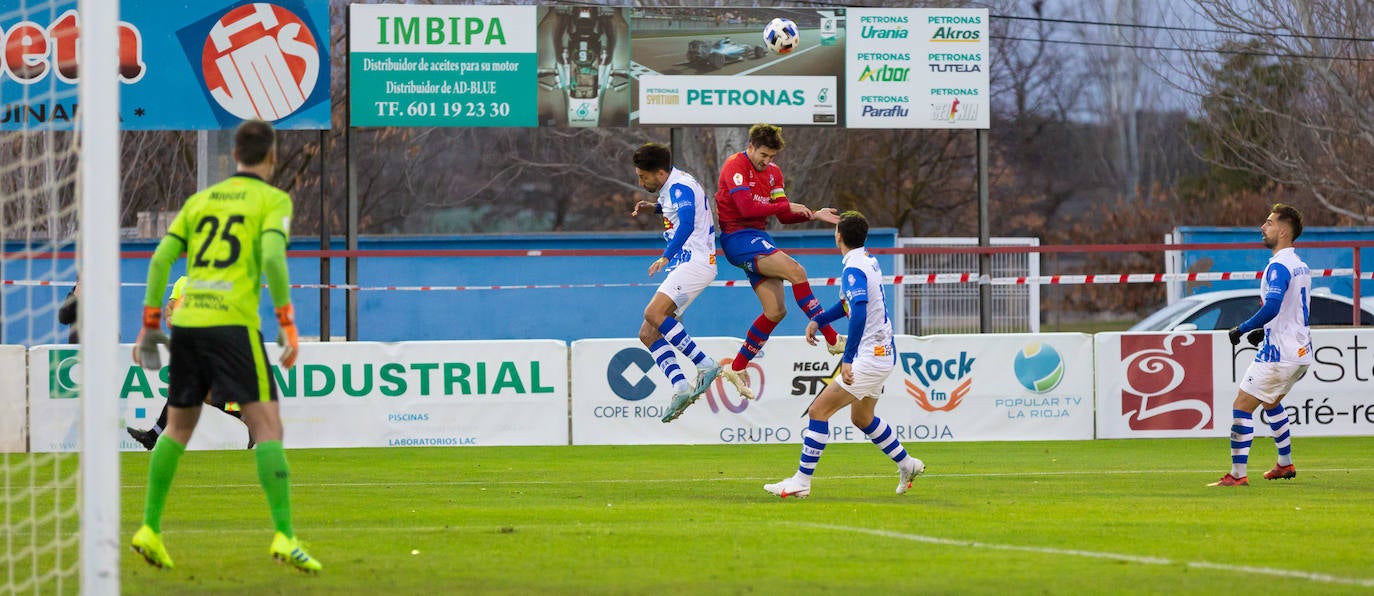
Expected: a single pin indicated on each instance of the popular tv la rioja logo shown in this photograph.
(1168, 382)
(260, 60)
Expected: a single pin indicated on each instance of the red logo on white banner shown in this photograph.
(260, 61)
(1168, 381)
(716, 393)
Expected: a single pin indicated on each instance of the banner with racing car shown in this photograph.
(602, 66)
(714, 66)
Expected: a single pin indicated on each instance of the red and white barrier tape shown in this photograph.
(900, 280)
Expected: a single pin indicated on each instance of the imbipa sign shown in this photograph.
(1183, 385)
(391, 28)
(356, 394)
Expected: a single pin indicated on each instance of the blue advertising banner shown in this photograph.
(190, 65)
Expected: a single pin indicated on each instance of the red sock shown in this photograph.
(753, 342)
(806, 299)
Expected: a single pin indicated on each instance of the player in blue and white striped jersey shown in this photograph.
(869, 357)
(689, 262)
(1280, 330)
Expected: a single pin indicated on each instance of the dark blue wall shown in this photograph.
(565, 314)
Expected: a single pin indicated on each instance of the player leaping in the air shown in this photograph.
(689, 264)
(749, 192)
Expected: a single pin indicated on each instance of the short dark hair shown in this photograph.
(853, 229)
(654, 157)
(766, 135)
(1291, 215)
(253, 140)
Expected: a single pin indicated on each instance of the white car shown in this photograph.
(1225, 309)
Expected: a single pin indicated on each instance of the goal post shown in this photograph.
(59, 224)
(98, 258)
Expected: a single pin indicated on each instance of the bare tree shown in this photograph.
(159, 171)
(1037, 89)
(1310, 125)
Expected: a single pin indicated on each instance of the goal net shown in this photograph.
(58, 223)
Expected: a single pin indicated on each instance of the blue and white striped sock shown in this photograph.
(1278, 422)
(813, 443)
(1242, 432)
(881, 435)
(676, 334)
(663, 355)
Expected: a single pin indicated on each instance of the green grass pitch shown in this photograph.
(1127, 516)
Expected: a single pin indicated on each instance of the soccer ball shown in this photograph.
(781, 35)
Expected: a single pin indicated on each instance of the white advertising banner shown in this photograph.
(721, 100)
(357, 394)
(917, 68)
(55, 404)
(944, 388)
(1183, 385)
(13, 400)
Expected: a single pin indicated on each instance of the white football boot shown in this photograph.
(836, 348)
(738, 378)
(790, 487)
(908, 473)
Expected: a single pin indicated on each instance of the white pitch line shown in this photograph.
(1144, 560)
(565, 481)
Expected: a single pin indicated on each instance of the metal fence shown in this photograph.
(953, 308)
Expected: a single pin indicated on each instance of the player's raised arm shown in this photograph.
(655, 207)
(826, 214)
(796, 213)
(750, 207)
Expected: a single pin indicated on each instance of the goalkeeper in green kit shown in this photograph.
(233, 234)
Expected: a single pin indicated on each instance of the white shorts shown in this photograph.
(869, 375)
(686, 281)
(1269, 381)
